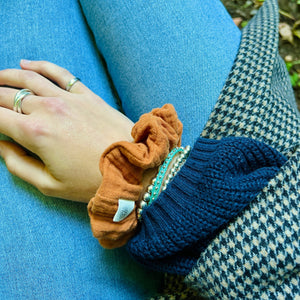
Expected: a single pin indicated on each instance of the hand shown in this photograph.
(68, 131)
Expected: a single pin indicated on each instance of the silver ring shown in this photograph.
(71, 83)
(20, 95)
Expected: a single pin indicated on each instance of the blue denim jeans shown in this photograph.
(140, 53)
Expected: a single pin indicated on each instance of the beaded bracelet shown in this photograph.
(171, 166)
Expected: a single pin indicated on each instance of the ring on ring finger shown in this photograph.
(19, 97)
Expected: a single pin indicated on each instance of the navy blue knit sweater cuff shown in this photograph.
(219, 179)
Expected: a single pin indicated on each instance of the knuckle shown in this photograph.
(5, 74)
(35, 128)
(42, 63)
(55, 105)
(28, 75)
(65, 73)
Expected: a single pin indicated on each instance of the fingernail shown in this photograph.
(25, 62)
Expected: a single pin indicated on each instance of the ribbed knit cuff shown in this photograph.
(219, 179)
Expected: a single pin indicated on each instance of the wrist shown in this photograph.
(128, 168)
(156, 182)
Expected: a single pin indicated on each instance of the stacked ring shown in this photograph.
(20, 95)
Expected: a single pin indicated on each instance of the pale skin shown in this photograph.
(68, 131)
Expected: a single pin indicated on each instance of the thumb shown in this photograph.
(26, 167)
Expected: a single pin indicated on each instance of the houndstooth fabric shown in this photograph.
(257, 256)
(255, 101)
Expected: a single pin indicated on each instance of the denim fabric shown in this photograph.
(47, 250)
(177, 52)
(54, 31)
(155, 53)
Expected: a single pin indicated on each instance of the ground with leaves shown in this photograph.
(289, 47)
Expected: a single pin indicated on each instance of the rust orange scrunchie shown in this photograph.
(122, 166)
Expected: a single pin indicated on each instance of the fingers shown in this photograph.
(22, 129)
(26, 167)
(10, 123)
(38, 77)
(22, 79)
(55, 73)
(7, 96)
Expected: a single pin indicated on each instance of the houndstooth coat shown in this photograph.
(257, 256)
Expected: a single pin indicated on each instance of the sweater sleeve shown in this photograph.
(218, 180)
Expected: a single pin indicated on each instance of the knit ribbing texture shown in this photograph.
(219, 179)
